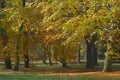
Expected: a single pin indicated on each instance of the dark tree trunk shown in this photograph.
(79, 53)
(89, 63)
(49, 55)
(44, 59)
(16, 66)
(50, 61)
(2, 4)
(7, 58)
(91, 50)
(23, 3)
(26, 55)
(26, 60)
(94, 49)
(95, 60)
(64, 64)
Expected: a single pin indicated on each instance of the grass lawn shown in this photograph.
(43, 77)
(56, 72)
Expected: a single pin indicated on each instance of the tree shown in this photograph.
(87, 18)
(23, 3)
(79, 48)
(16, 67)
(6, 54)
(2, 3)
(25, 49)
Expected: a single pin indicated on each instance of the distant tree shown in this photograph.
(6, 54)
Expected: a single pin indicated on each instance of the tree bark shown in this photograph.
(49, 56)
(89, 56)
(79, 53)
(16, 66)
(23, 3)
(108, 58)
(64, 64)
(63, 61)
(95, 60)
(91, 50)
(26, 54)
(2, 4)
(44, 59)
(7, 60)
(108, 63)
(26, 60)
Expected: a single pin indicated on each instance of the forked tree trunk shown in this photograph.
(91, 51)
(108, 58)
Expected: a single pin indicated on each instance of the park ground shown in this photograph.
(56, 72)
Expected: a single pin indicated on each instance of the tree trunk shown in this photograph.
(79, 53)
(108, 58)
(94, 49)
(95, 60)
(2, 4)
(7, 60)
(23, 3)
(26, 54)
(64, 64)
(26, 60)
(89, 56)
(108, 63)
(49, 55)
(50, 61)
(16, 66)
(44, 59)
(91, 50)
